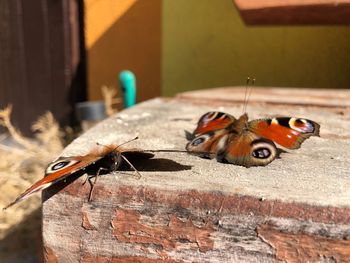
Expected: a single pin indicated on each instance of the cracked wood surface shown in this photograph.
(188, 209)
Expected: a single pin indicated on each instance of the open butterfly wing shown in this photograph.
(212, 121)
(57, 171)
(287, 132)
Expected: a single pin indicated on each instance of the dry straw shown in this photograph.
(110, 98)
(24, 162)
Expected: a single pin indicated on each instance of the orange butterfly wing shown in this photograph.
(57, 171)
(287, 132)
(212, 121)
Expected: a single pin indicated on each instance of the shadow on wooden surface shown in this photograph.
(145, 162)
(23, 244)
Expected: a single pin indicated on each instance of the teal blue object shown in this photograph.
(128, 84)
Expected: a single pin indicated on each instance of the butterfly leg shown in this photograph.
(133, 167)
(93, 183)
(88, 178)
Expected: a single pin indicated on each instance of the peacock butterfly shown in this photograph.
(248, 143)
(104, 157)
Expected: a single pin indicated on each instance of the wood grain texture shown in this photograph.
(127, 227)
(140, 223)
(188, 209)
(101, 259)
(294, 12)
(215, 201)
(49, 255)
(300, 247)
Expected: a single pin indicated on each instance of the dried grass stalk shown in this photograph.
(111, 101)
(5, 121)
(23, 165)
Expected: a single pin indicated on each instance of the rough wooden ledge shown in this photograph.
(188, 209)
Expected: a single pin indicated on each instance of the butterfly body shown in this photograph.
(248, 143)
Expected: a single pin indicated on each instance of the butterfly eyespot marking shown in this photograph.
(261, 153)
(263, 150)
(198, 141)
(301, 125)
(60, 164)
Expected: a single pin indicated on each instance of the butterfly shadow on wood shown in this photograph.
(144, 162)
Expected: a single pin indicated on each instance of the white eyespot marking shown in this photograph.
(211, 116)
(60, 164)
(289, 136)
(214, 116)
(274, 121)
(263, 152)
(223, 116)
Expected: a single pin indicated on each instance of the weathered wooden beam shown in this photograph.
(188, 209)
(294, 12)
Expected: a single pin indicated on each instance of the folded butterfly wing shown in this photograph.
(208, 144)
(248, 149)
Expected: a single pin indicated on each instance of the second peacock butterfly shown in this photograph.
(248, 143)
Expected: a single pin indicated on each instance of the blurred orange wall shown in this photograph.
(123, 34)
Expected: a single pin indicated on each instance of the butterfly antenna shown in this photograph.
(245, 95)
(134, 139)
(249, 93)
(113, 149)
(175, 151)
